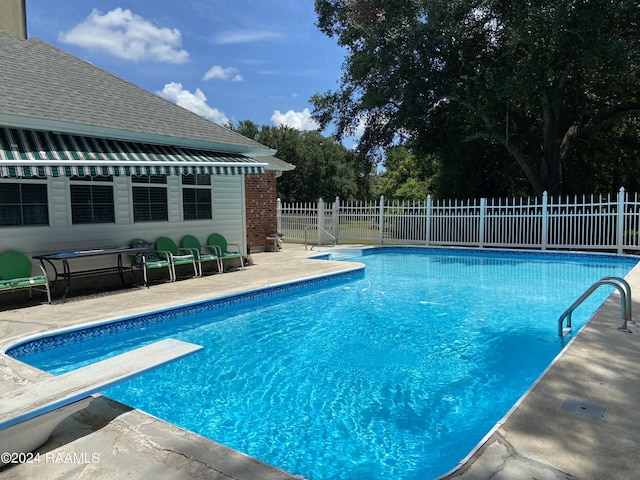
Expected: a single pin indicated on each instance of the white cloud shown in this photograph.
(298, 120)
(195, 102)
(245, 36)
(354, 134)
(125, 35)
(220, 73)
(358, 131)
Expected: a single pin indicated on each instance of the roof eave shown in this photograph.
(281, 169)
(17, 121)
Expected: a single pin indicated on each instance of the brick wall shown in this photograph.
(261, 201)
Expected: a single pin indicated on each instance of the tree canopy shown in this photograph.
(536, 86)
(324, 168)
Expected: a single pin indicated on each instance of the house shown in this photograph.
(89, 160)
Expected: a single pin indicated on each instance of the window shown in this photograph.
(196, 199)
(149, 203)
(23, 204)
(90, 201)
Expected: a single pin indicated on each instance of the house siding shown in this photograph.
(229, 209)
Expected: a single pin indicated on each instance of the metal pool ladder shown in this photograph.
(625, 303)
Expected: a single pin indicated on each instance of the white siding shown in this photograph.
(59, 212)
(228, 209)
(122, 199)
(174, 198)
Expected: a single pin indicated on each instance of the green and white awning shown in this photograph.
(32, 153)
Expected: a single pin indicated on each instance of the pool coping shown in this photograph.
(498, 252)
(501, 433)
(124, 323)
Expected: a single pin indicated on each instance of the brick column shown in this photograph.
(261, 203)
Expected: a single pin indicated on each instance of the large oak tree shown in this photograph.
(537, 78)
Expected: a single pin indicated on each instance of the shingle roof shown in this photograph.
(276, 164)
(41, 85)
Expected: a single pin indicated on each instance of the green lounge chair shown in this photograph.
(16, 273)
(219, 243)
(149, 260)
(168, 250)
(191, 243)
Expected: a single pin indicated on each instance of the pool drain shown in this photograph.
(584, 409)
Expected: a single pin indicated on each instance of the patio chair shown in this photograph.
(149, 260)
(219, 243)
(192, 244)
(167, 248)
(16, 273)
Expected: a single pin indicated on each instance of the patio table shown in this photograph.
(66, 274)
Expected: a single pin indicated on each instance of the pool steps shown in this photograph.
(30, 414)
(625, 304)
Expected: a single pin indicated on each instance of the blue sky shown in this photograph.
(227, 60)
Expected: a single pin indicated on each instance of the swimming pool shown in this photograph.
(396, 372)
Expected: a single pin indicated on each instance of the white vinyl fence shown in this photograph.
(609, 223)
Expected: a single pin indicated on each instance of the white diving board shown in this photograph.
(23, 406)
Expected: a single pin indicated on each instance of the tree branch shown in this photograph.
(516, 153)
(577, 130)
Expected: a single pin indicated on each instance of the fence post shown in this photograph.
(483, 213)
(428, 221)
(381, 221)
(320, 218)
(279, 216)
(620, 220)
(336, 218)
(545, 221)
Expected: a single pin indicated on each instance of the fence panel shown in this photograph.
(631, 231)
(359, 222)
(455, 222)
(513, 224)
(326, 222)
(405, 222)
(590, 222)
(295, 217)
(587, 223)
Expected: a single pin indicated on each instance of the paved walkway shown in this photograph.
(540, 439)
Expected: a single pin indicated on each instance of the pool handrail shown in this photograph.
(623, 288)
(317, 227)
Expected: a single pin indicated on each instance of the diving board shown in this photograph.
(23, 406)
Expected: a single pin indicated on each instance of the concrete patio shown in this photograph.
(539, 439)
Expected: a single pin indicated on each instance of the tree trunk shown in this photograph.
(553, 174)
(550, 158)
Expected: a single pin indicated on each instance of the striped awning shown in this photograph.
(33, 153)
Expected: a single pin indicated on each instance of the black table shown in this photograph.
(52, 258)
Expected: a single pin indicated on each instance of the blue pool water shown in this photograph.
(397, 372)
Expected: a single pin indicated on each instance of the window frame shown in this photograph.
(25, 209)
(94, 208)
(152, 188)
(200, 207)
